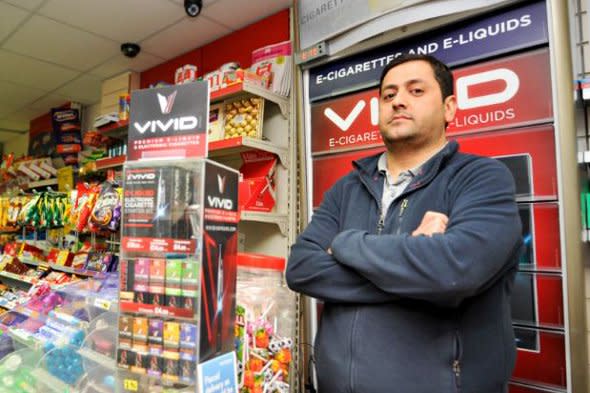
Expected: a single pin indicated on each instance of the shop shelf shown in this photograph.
(94, 387)
(99, 358)
(155, 311)
(41, 183)
(234, 146)
(271, 218)
(115, 129)
(25, 339)
(15, 281)
(51, 382)
(246, 87)
(29, 261)
(9, 230)
(24, 310)
(60, 268)
(102, 303)
(79, 272)
(6, 304)
(109, 162)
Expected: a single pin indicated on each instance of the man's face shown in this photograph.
(411, 108)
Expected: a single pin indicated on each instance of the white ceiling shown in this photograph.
(53, 51)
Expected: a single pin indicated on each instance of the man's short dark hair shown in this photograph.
(442, 73)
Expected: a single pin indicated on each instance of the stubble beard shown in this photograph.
(399, 141)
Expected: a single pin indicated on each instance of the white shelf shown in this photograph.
(11, 278)
(98, 358)
(249, 87)
(104, 304)
(41, 183)
(29, 342)
(281, 101)
(271, 218)
(584, 157)
(52, 383)
(234, 146)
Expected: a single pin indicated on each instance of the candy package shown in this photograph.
(106, 213)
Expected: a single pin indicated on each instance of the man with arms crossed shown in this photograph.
(414, 254)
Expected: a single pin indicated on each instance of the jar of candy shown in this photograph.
(265, 324)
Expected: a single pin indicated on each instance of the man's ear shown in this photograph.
(450, 104)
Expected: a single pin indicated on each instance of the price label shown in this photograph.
(130, 385)
(102, 303)
(65, 179)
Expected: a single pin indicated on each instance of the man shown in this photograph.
(414, 254)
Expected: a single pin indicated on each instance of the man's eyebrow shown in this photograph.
(408, 82)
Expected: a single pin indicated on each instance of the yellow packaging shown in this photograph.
(243, 117)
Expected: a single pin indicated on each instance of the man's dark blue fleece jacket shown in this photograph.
(414, 314)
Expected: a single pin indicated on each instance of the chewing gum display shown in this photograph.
(155, 202)
(125, 331)
(142, 275)
(171, 339)
(178, 300)
(173, 281)
(156, 336)
(155, 366)
(140, 334)
(140, 362)
(157, 269)
(170, 371)
(190, 278)
(125, 358)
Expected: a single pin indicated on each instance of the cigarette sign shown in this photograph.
(169, 122)
(492, 95)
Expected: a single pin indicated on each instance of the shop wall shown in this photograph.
(17, 145)
(89, 113)
(237, 46)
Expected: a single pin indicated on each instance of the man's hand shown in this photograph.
(432, 223)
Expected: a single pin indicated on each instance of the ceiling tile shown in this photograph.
(7, 109)
(180, 38)
(44, 104)
(57, 43)
(119, 64)
(27, 4)
(30, 72)
(26, 114)
(85, 89)
(10, 18)
(18, 95)
(7, 136)
(129, 20)
(224, 11)
(12, 124)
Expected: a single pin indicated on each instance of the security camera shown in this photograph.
(130, 49)
(193, 7)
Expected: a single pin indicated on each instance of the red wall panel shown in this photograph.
(547, 365)
(237, 46)
(328, 169)
(503, 93)
(538, 142)
(165, 72)
(546, 236)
